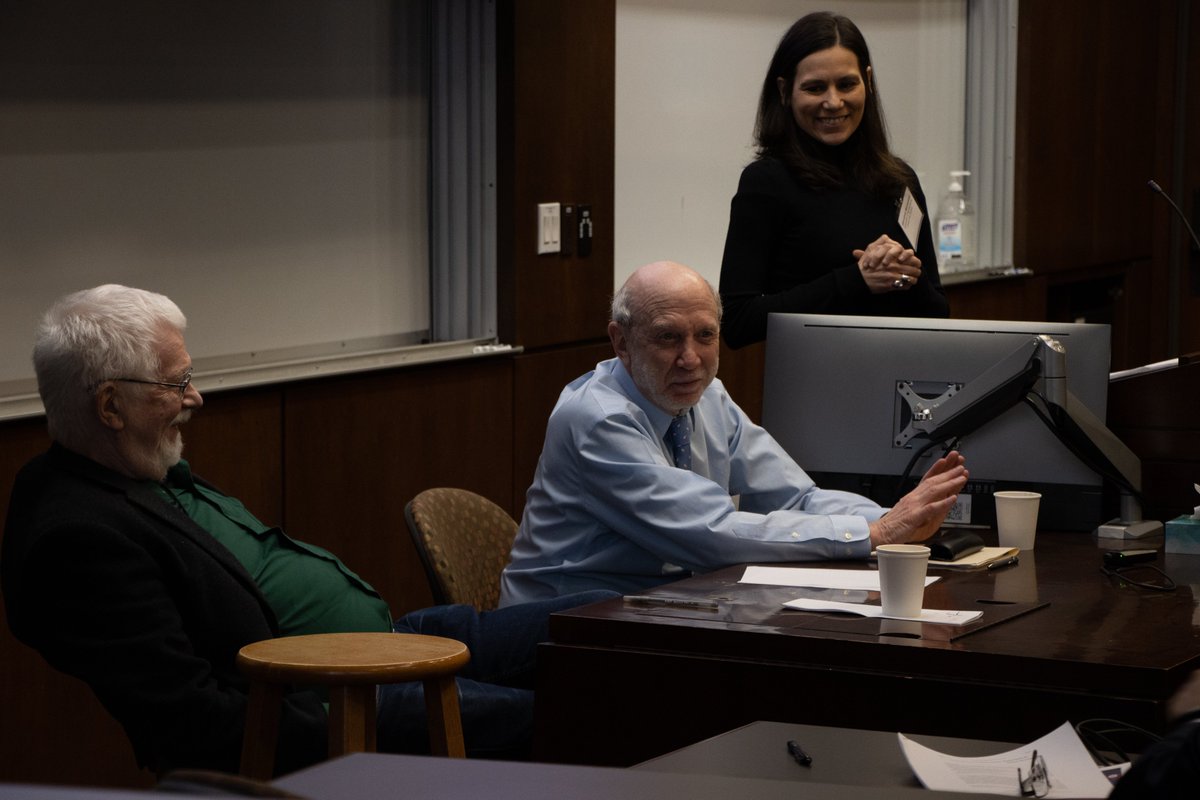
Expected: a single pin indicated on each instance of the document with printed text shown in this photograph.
(1070, 770)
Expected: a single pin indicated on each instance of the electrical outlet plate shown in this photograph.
(549, 222)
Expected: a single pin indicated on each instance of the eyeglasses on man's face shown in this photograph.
(181, 386)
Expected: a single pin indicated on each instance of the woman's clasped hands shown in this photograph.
(888, 266)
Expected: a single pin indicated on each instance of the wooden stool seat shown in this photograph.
(352, 665)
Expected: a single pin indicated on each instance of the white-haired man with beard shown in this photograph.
(129, 572)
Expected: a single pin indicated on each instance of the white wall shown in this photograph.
(687, 80)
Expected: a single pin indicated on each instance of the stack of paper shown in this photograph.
(817, 577)
(1069, 766)
(845, 579)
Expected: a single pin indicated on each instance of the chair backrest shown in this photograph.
(463, 540)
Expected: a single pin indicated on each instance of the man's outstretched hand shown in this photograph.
(921, 512)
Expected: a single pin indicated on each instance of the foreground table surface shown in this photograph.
(376, 776)
(1058, 640)
(845, 756)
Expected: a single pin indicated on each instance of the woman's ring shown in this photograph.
(897, 284)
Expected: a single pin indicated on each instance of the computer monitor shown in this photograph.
(830, 398)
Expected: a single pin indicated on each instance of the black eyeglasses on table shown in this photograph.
(1037, 784)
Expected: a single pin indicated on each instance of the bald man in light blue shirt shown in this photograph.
(609, 508)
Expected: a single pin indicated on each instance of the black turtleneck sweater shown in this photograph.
(789, 248)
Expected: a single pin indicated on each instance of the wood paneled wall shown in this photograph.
(1084, 216)
(1188, 195)
(1155, 415)
(555, 144)
(358, 448)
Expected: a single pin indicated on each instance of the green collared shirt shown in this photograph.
(308, 588)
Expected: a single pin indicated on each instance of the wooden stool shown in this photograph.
(352, 665)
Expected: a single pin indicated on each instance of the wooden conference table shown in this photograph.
(1058, 640)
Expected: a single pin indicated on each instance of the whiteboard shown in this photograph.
(264, 165)
(687, 81)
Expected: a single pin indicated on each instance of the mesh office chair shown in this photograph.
(463, 540)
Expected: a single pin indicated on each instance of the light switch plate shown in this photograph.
(549, 228)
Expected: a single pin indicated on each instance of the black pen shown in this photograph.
(1008, 562)
(802, 758)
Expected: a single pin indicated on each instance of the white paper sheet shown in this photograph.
(933, 615)
(863, 579)
(1069, 766)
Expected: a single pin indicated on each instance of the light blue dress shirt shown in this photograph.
(609, 510)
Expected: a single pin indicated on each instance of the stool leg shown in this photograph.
(262, 731)
(445, 721)
(351, 720)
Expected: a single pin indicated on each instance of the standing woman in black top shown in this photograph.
(814, 226)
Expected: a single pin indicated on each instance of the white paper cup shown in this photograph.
(902, 570)
(1016, 518)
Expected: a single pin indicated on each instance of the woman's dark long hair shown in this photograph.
(864, 159)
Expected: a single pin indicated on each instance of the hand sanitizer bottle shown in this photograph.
(956, 228)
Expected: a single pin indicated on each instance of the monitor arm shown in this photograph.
(1034, 371)
(963, 408)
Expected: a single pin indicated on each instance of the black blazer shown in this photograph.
(117, 587)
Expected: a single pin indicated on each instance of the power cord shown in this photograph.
(1096, 735)
(1168, 585)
